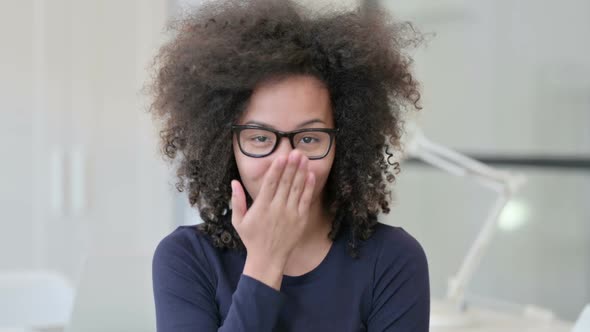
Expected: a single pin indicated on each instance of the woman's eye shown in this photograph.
(260, 139)
(308, 139)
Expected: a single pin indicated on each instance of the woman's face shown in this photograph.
(285, 105)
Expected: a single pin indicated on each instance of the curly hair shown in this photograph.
(204, 76)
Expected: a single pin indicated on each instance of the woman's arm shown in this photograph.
(184, 286)
(401, 288)
(184, 294)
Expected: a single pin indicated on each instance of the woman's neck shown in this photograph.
(320, 225)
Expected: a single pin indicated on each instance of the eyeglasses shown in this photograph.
(257, 142)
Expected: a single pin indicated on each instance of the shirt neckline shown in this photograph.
(317, 271)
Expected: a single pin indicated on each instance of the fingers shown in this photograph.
(271, 180)
(289, 182)
(238, 203)
(282, 193)
(306, 196)
(298, 183)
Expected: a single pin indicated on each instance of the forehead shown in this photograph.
(285, 104)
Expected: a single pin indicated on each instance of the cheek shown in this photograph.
(321, 170)
(251, 171)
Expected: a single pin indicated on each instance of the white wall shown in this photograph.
(74, 126)
(507, 77)
(16, 113)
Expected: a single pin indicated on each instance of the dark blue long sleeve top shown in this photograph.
(200, 288)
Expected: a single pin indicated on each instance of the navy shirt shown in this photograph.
(200, 288)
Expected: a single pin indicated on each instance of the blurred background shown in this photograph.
(85, 196)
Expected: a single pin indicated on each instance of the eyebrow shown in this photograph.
(299, 126)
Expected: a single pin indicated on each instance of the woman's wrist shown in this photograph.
(265, 270)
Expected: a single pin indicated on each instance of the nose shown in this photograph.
(284, 147)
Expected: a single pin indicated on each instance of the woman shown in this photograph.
(278, 119)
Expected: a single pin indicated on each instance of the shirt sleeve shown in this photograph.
(184, 294)
(401, 288)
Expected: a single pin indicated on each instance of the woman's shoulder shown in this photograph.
(390, 235)
(187, 242)
(183, 237)
(392, 242)
(181, 265)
